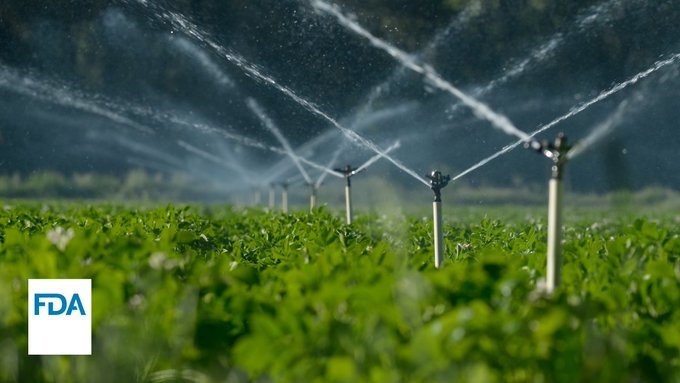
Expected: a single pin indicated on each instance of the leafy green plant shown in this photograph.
(208, 294)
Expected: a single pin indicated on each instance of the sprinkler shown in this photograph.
(348, 172)
(257, 197)
(284, 196)
(312, 196)
(557, 152)
(272, 197)
(438, 181)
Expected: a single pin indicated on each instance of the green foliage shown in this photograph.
(191, 294)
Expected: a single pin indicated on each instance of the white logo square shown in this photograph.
(60, 317)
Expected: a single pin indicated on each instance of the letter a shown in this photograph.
(75, 304)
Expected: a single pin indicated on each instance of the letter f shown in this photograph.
(37, 303)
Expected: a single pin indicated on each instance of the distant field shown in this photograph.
(371, 192)
(206, 294)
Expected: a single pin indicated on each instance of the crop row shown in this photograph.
(227, 295)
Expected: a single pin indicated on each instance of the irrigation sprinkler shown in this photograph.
(312, 196)
(557, 152)
(257, 197)
(284, 196)
(272, 197)
(348, 172)
(438, 181)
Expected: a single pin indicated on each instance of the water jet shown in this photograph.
(574, 111)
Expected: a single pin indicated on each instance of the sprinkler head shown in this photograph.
(348, 171)
(534, 145)
(556, 151)
(438, 181)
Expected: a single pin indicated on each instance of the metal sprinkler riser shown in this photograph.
(272, 197)
(348, 171)
(312, 197)
(437, 183)
(257, 198)
(284, 197)
(557, 152)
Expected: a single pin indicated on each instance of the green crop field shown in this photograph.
(217, 294)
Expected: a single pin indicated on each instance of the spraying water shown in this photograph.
(600, 131)
(247, 141)
(168, 118)
(480, 109)
(369, 119)
(375, 158)
(271, 126)
(60, 94)
(538, 55)
(367, 106)
(181, 23)
(331, 162)
(228, 135)
(144, 150)
(574, 111)
(456, 24)
(211, 157)
(585, 21)
(364, 166)
(191, 50)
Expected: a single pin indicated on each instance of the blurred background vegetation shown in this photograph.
(158, 188)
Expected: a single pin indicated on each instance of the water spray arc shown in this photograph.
(438, 181)
(480, 109)
(271, 126)
(574, 111)
(604, 13)
(396, 145)
(367, 105)
(188, 28)
(57, 93)
(348, 171)
(557, 152)
(604, 128)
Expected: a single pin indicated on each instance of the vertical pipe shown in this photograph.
(348, 201)
(554, 262)
(438, 181)
(272, 198)
(312, 198)
(284, 199)
(438, 234)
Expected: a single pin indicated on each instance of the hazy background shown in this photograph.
(106, 87)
